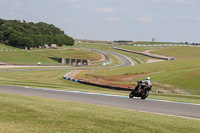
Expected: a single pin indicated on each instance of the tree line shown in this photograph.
(28, 34)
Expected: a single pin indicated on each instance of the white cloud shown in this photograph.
(66, 0)
(197, 18)
(170, 1)
(191, 17)
(112, 18)
(70, 1)
(179, 1)
(104, 10)
(76, 6)
(156, 1)
(145, 19)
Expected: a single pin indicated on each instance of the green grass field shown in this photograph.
(176, 51)
(140, 49)
(31, 57)
(146, 42)
(6, 47)
(43, 115)
(181, 52)
(95, 46)
(23, 57)
(69, 53)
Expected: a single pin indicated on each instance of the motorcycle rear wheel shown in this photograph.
(145, 95)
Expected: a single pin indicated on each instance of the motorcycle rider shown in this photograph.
(148, 84)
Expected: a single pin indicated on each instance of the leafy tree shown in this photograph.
(2, 38)
(31, 34)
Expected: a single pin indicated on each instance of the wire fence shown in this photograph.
(186, 91)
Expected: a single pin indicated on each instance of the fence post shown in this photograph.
(191, 91)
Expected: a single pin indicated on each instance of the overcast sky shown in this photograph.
(137, 20)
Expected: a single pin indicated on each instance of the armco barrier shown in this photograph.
(106, 86)
(103, 64)
(153, 56)
(97, 85)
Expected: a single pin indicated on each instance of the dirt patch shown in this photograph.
(156, 55)
(147, 51)
(124, 81)
(115, 80)
(154, 60)
(74, 73)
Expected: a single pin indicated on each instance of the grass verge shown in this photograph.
(23, 57)
(31, 57)
(176, 51)
(42, 115)
(76, 53)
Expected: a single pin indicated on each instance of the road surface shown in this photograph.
(154, 106)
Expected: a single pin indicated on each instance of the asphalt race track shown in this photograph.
(155, 106)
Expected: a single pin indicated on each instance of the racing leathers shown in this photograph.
(147, 85)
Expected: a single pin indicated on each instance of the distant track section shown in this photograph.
(125, 62)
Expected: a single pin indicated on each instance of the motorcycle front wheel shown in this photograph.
(131, 95)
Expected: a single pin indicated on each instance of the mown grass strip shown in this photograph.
(23, 57)
(33, 114)
(176, 51)
(32, 57)
(76, 53)
(181, 52)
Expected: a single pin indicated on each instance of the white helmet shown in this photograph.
(148, 78)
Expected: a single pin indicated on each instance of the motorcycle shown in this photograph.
(140, 91)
